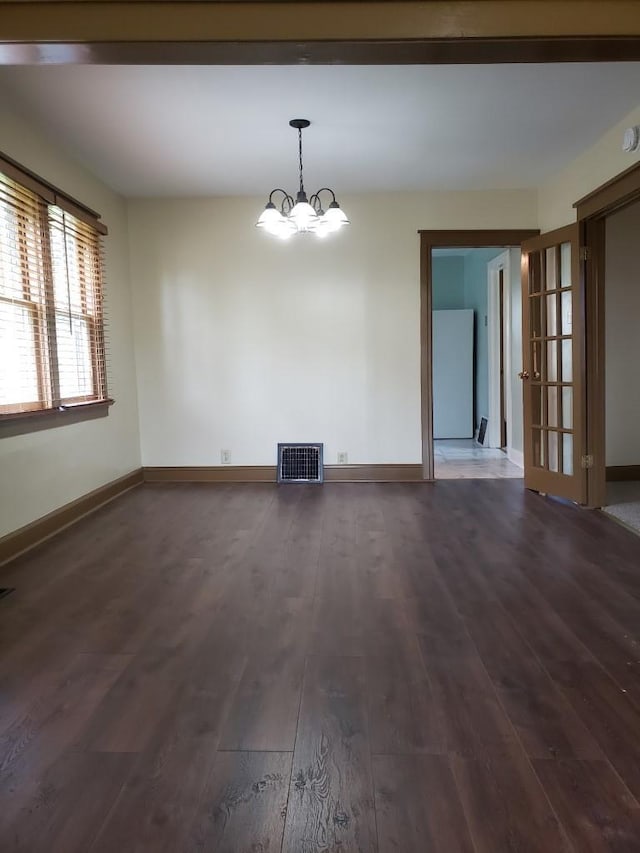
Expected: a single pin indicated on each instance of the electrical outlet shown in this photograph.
(225, 457)
(342, 457)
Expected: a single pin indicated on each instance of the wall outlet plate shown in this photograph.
(343, 457)
(225, 457)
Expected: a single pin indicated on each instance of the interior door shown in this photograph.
(553, 364)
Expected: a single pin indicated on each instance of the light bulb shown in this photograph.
(304, 216)
(284, 229)
(335, 217)
(269, 218)
(323, 228)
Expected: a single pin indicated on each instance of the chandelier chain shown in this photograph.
(300, 157)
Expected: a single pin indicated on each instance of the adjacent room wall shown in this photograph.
(622, 341)
(41, 471)
(243, 341)
(447, 283)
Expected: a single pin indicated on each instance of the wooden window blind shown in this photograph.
(52, 327)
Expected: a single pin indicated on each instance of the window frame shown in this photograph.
(44, 313)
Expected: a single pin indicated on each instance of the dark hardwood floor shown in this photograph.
(449, 668)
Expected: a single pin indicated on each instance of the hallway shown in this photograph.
(465, 459)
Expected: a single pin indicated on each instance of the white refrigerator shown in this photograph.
(453, 374)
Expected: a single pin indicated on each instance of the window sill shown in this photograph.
(19, 423)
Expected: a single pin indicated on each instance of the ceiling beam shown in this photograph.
(254, 32)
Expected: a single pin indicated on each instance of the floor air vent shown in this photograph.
(300, 463)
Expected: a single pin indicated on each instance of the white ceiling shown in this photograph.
(154, 130)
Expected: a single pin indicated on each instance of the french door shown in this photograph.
(552, 374)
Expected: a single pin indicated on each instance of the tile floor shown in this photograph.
(465, 459)
(623, 503)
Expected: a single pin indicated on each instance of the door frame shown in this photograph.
(506, 238)
(592, 211)
(498, 395)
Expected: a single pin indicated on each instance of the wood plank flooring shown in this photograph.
(352, 668)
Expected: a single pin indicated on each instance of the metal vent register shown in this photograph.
(300, 463)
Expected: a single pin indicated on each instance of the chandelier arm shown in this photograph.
(287, 200)
(315, 203)
(326, 190)
(277, 190)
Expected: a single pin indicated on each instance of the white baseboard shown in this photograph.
(515, 456)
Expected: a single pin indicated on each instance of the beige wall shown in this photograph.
(41, 471)
(622, 354)
(243, 341)
(594, 167)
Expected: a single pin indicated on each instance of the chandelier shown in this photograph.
(304, 215)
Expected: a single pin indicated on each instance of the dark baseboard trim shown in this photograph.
(32, 534)
(373, 473)
(211, 474)
(267, 474)
(621, 473)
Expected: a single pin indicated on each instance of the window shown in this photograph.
(52, 347)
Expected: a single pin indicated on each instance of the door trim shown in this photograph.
(502, 262)
(615, 193)
(592, 210)
(433, 239)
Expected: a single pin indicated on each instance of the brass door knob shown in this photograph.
(524, 374)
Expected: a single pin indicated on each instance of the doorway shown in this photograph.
(621, 357)
(595, 215)
(471, 363)
(469, 454)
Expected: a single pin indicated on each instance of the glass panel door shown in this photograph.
(551, 282)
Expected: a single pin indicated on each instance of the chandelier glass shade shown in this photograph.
(302, 215)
